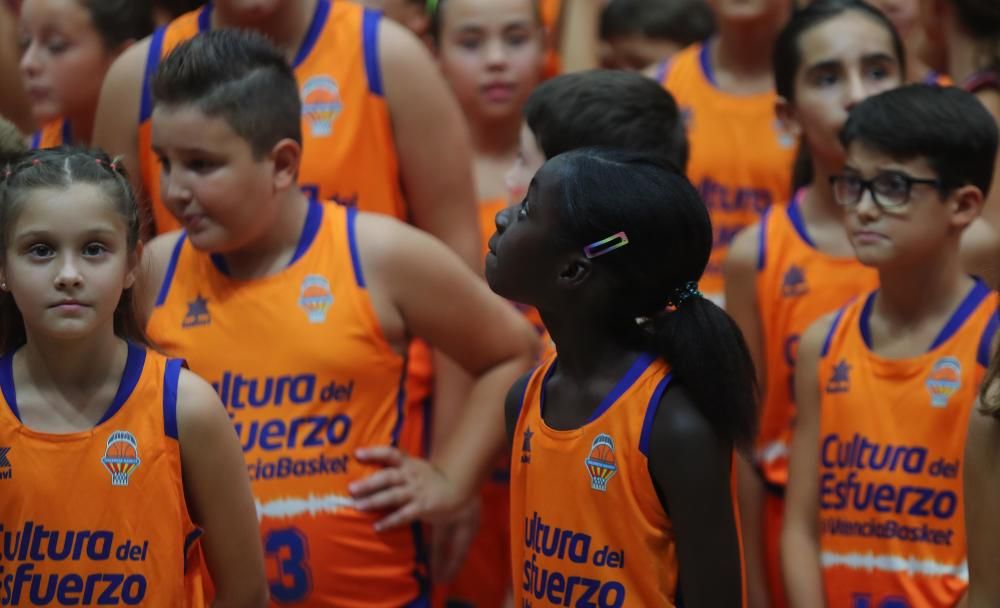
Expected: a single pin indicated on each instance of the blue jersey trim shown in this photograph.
(762, 240)
(312, 34)
(314, 219)
(986, 342)
(420, 568)
(641, 363)
(352, 242)
(663, 70)
(369, 36)
(651, 409)
(152, 63)
(67, 133)
(36, 140)
(705, 60)
(189, 541)
(170, 378)
(168, 278)
(134, 362)
(524, 391)
(205, 18)
(798, 222)
(833, 330)
(976, 295)
(865, 320)
(397, 428)
(7, 383)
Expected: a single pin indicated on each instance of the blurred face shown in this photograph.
(211, 182)
(67, 262)
(250, 11)
(637, 52)
(529, 160)
(844, 60)
(904, 14)
(491, 52)
(744, 10)
(903, 234)
(63, 59)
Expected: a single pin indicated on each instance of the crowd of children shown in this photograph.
(508, 302)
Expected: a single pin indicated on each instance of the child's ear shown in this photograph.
(966, 204)
(787, 117)
(575, 272)
(286, 155)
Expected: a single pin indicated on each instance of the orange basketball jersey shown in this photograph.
(127, 536)
(892, 436)
(740, 158)
(587, 526)
(796, 285)
(349, 154)
(52, 135)
(301, 365)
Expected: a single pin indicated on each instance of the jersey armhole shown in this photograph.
(36, 140)
(352, 242)
(152, 63)
(651, 409)
(369, 35)
(832, 331)
(171, 375)
(762, 240)
(986, 342)
(168, 277)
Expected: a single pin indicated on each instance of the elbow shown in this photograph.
(248, 596)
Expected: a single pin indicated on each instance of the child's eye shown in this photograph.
(469, 43)
(522, 210)
(94, 249)
(200, 165)
(824, 79)
(40, 250)
(56, 46)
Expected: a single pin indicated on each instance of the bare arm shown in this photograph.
(741, 304)
(218, 495)
(579, 40)
(691, 466)
(432, 143)
(152, 271)
(800, 533)
(982, 501)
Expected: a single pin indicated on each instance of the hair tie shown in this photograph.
(35, 161)
(684, 293)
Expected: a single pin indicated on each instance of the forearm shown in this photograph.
(452, 387)
(579, 43)
(801, 568)
(751, 500)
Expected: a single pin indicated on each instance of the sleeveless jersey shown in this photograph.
(796, 285)
(892, 436)
(550, 11)
(349, 153)
(52, 135)
(304, 371)
(741, 159)
(127, 536)
(587, 526)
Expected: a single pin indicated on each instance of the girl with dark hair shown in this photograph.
(797, 263)
(84, 403)
(67, 48)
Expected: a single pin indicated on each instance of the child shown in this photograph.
(68, 46)
(331, 297)
(14, 104)
(905, 15)
(797, 263)
(885, 386)
(622, 444)
(89, 414)
(491, 52)
(637, 34)
(741, 156)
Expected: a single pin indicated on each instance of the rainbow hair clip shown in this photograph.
(604, 246)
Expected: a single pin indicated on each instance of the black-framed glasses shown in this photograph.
(890, 189)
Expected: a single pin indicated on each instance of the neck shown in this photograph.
(940, 282)
(586, 348)
(74, 365)
(286, 26)
(81, 128)
(273, 250)
(745, 49)
(496, 138)
(818, 197)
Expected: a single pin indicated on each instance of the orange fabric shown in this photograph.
(51, 135)
(124, 539)
(740, 159)
(484, 580)
(316, 381)
(550, 10)
(349, 153)
(586, 522)
(892, 436)
(774, 512)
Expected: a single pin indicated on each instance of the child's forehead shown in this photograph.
(188, 125)
(80, 206)
(863, 156)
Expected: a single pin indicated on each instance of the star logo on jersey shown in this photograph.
(321, 104)
(121, 457)
(197, 313)
(840, 381)
(793, 284)
(526, 446)
(944, 380)
(315, 297)
(6, 470)
(601, 462)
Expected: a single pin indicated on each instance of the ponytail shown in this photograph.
(708, 355)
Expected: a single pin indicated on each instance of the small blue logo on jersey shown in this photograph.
(121, 457)
(601, 463)
(793, 284)
(315, 297)
(197, 313)
(321, 104)
(526, 446)
(840, 381)
(944, 380)
(785, 139)
(6, 470)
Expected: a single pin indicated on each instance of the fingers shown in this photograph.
(391, 498)
(402, 517)
(378, 481)
(383, 454)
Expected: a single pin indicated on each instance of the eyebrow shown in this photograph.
(46, 234)
(828, 64)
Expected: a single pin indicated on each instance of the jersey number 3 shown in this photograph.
(290, 551)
